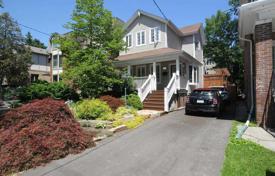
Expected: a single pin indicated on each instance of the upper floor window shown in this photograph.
(129, 41)
(155, 35)
(141, 38)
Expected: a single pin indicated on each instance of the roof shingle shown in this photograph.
(186, 30)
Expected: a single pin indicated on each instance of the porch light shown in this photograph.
(164, 68)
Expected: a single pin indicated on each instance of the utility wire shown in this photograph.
(35, 30)
(160, 10)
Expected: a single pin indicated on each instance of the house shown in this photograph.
(165, 61)
(257, 36)
(46, 64)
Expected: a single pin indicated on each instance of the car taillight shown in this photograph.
(187, 100)
(215, 101)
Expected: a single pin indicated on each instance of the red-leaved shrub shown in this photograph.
(37, 133)
(113, 102)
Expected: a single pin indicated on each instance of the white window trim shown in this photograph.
(132, 43)
(151, 35)
(141, 38)
(138, 67)
(193, 75)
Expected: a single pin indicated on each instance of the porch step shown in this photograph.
(154, 101)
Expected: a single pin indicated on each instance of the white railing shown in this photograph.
(147, 87)
(139, 81)
(170, 90)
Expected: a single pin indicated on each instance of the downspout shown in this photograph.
(243, 129)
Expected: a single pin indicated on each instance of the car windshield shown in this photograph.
(204, 93)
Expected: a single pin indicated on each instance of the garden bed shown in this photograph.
(38, 132)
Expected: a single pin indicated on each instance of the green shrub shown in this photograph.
(40, 90)
(92, 109)
(121, 111)
(133, 100)
(137, 121)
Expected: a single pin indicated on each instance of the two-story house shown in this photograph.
(46, 64)
(163, 59)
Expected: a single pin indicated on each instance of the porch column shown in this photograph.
(129, 70)
(155, 75)
(178, 72)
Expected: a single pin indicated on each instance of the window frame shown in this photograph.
(159, 35)
(137, 70)
(127, 42)
(140, 32)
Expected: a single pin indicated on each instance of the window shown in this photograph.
(155, 35)
(60, 62)
(34, 77)
(55, 61)
(173, 69)
(141, 71)
(195, 75)
(129, 41)
(190, 73)
(141, 38)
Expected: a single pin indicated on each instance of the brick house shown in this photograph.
(257, 36)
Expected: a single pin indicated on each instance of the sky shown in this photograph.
(50, 16)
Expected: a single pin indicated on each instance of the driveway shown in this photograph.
(172, 145)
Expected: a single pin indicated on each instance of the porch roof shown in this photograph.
(157, 55)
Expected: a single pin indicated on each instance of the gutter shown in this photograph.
(243, 128)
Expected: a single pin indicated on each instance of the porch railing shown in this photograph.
(148, 86)
(170, 90)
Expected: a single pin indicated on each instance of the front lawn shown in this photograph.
(246, 158)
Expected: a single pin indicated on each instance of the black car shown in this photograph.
(204, 100)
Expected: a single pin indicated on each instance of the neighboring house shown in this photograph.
(46, 65)
(163, 59)
(257, 36)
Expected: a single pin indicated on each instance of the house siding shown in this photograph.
(188, 45)
(140, 24)
(173, 40)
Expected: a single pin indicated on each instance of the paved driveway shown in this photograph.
(172, 145)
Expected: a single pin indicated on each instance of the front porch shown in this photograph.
(164, 75)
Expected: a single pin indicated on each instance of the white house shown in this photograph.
(162, 58)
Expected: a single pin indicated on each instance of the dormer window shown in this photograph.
(141, 38)
(155, 35)
(129, 41)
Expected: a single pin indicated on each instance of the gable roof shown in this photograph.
(139, 12)
(38, 50)
(191, 29)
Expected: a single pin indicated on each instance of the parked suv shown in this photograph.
(204, 100)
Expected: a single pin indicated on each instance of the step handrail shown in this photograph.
(170, 90)
(148, 86)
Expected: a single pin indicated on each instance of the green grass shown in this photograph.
(245, 158)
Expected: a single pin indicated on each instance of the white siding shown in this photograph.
(173, 40)
(188, 45)
(140, 24)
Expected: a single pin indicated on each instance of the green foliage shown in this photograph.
(29, 40)
(121, 111)
(92, 109)
(15, 58)
(119, 88)
(245, 158)
(100, 125)
(95, 38)
(137, 121)
(1, 4)
(223, 44)
(40, 90)
(133, 100)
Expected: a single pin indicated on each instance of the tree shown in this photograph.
(95, 39)
(33, 42)
(15, 58)
(1, 4)
(223, 44)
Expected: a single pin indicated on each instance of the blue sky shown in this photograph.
(50, 15)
